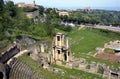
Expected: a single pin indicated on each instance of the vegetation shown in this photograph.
(13, 18)
(78, 73)
(94, 17)
(87, 39)
(69, 73)
(110, 51)
(4, 45)
(63, 28)
(14, 23)
(35, 67)
(29, 9)
(90, 38)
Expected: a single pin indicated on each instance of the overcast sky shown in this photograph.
(74, 3)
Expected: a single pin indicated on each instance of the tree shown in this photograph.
(41, 10)
(1, 5)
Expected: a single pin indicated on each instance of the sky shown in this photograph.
(74, 3)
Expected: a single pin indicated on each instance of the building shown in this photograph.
(23, 5)
(87, 9)
(60, 48)
(63, 13)
(34, 13)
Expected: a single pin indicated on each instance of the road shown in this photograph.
(117, 29)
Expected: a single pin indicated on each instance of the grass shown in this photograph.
(83, 42)
(91, 59)
(87, 39)
(17, 33)
(4, 45)
(110, 51)
(78, 73)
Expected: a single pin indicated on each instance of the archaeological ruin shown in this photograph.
(60, 48)
(59, 54)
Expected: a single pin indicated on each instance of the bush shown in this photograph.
(110, 51)
(63, 28)
(88, 67)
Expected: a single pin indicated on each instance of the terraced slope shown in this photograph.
(87, 39)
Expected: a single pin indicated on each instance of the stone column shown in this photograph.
(42, 48)
(56, 41)
(56, 54)
(67, 46)
(53, 51)
(109, 76)
(63, 40)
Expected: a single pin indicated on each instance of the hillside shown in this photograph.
(84, 42)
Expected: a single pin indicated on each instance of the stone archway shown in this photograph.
(65, 56)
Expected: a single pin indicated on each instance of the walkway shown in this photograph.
(19, 54)
(117, 29)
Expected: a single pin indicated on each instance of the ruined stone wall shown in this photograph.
(112, 44)
(60, 48)
(2, 71)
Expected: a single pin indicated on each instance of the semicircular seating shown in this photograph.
(20, 70)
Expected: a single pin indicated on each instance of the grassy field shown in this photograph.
(69, 73)
(87, 39)
(84, 42)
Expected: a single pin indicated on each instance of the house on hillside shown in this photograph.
(63, 12)
(31, 10)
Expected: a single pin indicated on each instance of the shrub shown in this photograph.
(110, 51)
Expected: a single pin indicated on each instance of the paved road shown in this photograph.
(109, 28)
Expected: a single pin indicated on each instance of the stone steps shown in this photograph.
(38, 76)
(20, 70)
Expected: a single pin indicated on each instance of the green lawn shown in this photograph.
(85, 41)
